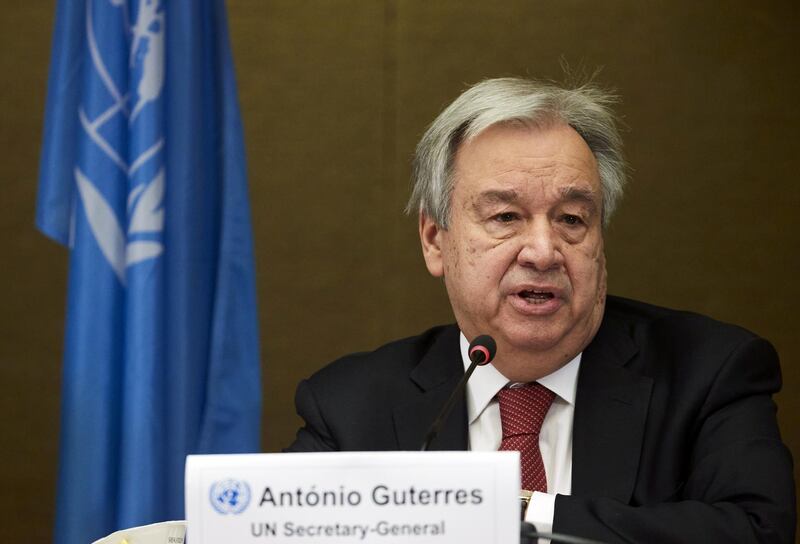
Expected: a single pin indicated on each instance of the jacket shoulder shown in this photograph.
(349, 404)
(679, 348)
(672, 324)
(384, 364)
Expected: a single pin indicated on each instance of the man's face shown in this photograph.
(523, 256)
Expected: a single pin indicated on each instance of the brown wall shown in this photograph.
(334, 96)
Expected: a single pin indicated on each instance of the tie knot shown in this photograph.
(522, 408)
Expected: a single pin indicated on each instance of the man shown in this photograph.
(635, 423)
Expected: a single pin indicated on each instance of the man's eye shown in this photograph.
(571, 220)
(505, 217)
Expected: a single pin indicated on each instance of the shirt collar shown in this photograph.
(486, 381)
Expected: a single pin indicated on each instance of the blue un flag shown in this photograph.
(143, 177)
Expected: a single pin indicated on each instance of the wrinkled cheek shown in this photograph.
(597, 258)
(602, 281)
(472, 252)
(602, 291)
(451, 262)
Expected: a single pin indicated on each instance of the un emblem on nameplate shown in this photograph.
(229, 496)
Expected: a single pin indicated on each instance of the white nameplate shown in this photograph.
(393, 497)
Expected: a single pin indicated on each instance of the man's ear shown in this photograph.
(430, 235)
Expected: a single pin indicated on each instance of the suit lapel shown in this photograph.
(436, 375)
(610, 413)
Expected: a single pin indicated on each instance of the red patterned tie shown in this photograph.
(522, 411)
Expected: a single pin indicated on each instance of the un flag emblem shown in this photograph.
(230, 496)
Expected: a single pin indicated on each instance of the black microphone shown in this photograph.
(481, 352)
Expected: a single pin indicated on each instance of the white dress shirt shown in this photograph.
(555, 438)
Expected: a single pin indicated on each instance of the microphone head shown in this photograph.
(482, 350)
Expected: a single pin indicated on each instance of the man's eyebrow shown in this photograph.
(580, 194)
(572, 193)
(496, 196)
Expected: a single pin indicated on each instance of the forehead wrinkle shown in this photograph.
(531, 163)
(547, 170)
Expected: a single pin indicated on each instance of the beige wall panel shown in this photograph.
(311, 85)
(32, 285)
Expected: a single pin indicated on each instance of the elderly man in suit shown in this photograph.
(635, 423)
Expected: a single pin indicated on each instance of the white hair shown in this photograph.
(587, 109)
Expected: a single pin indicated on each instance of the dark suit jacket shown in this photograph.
(674, 439)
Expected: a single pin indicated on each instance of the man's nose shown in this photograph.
(540, 246)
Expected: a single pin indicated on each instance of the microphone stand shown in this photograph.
(436, 426)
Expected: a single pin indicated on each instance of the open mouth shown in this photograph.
(535, 297)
